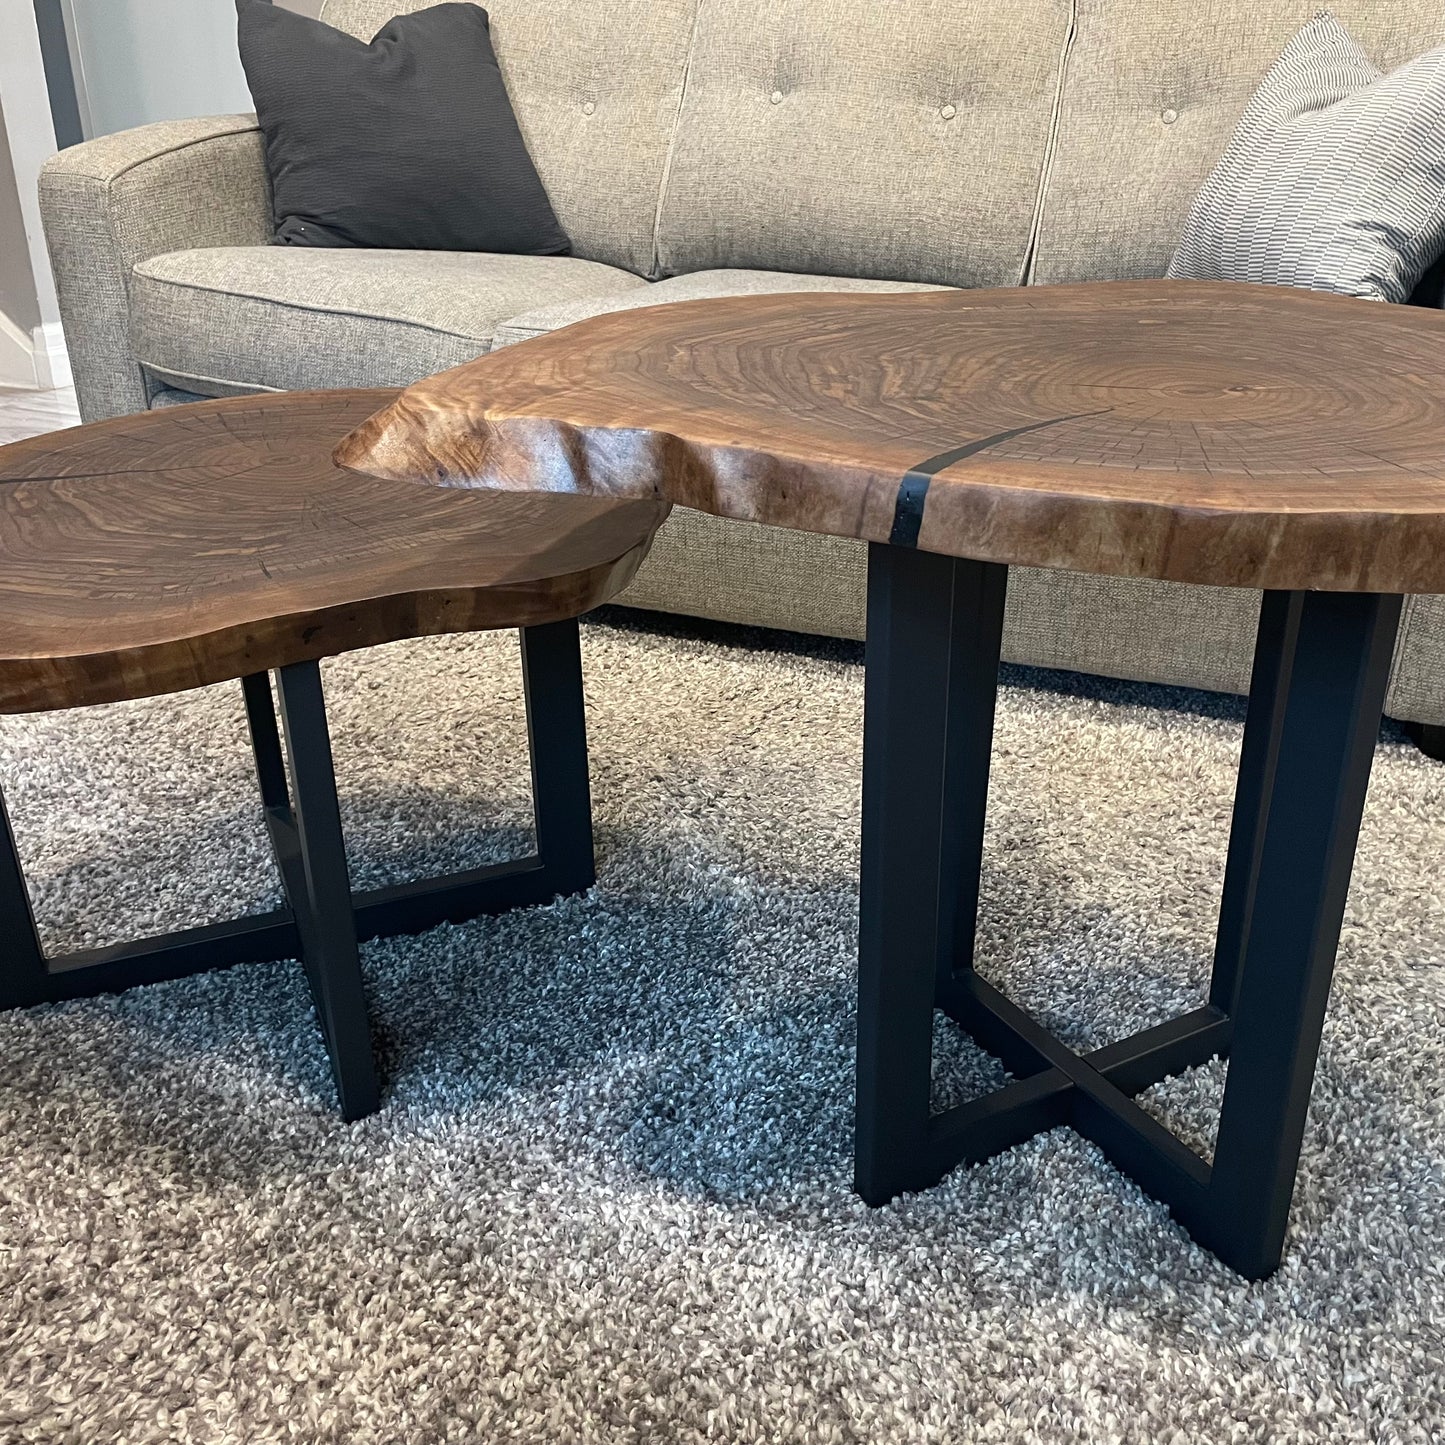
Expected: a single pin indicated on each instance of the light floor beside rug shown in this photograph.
(29, 413)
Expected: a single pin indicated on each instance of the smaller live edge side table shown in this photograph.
(218, 541)
(1235, 435)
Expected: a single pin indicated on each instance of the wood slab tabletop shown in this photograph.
(1201, 432)
(199, 543)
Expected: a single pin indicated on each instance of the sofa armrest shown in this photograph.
(115, 201)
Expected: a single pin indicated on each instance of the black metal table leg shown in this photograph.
(319, 892)
(1258, 765)
(557, 738)
(1339, 648)
(934, 627)
(22, 961)
(266, 741)
(1321, 669)
(562, 865)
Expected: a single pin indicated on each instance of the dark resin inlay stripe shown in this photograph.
(913, 489)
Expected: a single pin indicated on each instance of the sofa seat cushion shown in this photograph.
(234, 319)
(699, 286)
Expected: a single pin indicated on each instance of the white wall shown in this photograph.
(31, 350)
(135, 61)
(142, 60)
(19, 299)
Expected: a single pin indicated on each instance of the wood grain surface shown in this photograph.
(186, 546)
(1202, 432)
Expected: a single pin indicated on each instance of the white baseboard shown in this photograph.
(52, 360)
(36, 359)
(17, 354)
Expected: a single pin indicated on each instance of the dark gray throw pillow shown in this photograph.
(408, 142)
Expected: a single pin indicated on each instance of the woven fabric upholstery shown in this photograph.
(172, 396)
(699, 286)
(1334, 179)
(1152, 94)
(1119, 627)
(772, 577)
(762, 576)
(901, 140)
(595, 89)
(1417, 688)
(280, 318)
(123, 198)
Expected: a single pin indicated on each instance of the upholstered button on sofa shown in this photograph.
(709, 147)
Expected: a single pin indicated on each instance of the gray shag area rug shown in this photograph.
(607, 1198)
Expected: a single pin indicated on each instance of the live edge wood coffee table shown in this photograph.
(218, 541)
(1249, 436)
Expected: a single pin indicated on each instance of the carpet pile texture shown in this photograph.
(607, 1198)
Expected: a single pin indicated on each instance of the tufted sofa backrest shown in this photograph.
(895, 139)
(1152, 92)
(974, 142)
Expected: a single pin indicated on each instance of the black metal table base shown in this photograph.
(1321, 668)
(323, 919)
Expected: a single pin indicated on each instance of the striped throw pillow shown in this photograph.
(1334, 178)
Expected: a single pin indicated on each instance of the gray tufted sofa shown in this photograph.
(707, 147)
